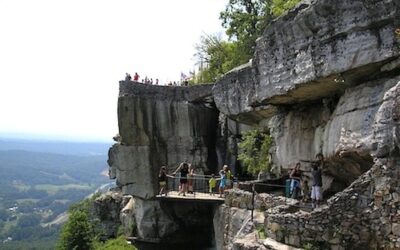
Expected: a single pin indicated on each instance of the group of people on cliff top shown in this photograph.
(187, 176)
(150, 81)
(298, 186)
(145, 80)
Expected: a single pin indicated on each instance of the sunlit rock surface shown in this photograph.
(315, 51)
(324, 79)
(161, 126)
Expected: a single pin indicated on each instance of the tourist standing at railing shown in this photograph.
(163, 181)
(295, 176)
(211, 184)
(222, 182)
(190, 177)
(184, 170)
(229, 177)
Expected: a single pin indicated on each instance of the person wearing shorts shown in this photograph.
(162, 180)
(316, 189)
(183, 179)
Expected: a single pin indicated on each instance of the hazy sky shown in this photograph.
(60, 61)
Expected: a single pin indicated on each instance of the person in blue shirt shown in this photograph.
(222, 182)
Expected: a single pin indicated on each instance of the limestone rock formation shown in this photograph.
(318, 76)
(160, 126)
(325, 78)
(107, 208)
(316, 50)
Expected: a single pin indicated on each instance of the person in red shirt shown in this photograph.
(136, 77)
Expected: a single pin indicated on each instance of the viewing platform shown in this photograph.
(195, 197)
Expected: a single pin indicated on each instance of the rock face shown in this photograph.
(107, 208)
(318, 49)
(160, 126)
(325, 78)
(362, 216)
(317, 79)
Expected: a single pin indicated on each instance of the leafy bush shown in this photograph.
(262, 234)
(119, 243)
(81, 230)
(254, 151)
(77, 232)
(244, 21)
(280, 6)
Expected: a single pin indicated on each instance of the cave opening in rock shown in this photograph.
(194, 221)
(343, 169)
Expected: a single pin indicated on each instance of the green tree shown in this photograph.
(280, 6)
(245, 20)
(77, 233)
(216, 57)
(254, 151)
(29, 220)
(119, 243)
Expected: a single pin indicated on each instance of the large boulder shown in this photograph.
(315, 51)
(161, 125)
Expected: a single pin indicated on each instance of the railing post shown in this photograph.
(252, 201)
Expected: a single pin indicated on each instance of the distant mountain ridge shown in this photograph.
(56, 147)
(40, 168)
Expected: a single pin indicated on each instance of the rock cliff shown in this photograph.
(316, 50)
(160, 126)
(317, 79)
(325, 78)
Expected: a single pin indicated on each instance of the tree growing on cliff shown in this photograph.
(279, 7)
(254, 151)
(216, 57)
(77, 233)
(244, 20)
(81, 230)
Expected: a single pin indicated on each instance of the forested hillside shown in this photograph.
(37, 187)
